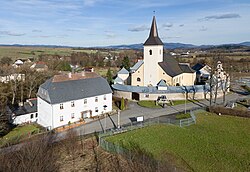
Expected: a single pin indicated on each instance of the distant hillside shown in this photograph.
(140, 46)
(245, 44)
(178, 45)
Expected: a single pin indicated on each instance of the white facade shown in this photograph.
(26, 118)
(153, 54)
(55, 115)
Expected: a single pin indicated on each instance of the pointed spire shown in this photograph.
(153, 30)
(153, 38)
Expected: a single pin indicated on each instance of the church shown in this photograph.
(158, 74)
(158, 67)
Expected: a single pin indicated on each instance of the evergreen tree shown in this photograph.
(122, 104)
(109, 76)
(126, 63)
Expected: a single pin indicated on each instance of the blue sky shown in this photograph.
(112, 22)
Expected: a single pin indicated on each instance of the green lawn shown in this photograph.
(19, 132)
(215, 143)
(148, 104)
(151, 103)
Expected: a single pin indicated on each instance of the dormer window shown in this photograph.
(150, 52)
(72, 104)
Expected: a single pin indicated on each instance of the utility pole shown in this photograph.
(105, 123)
(118, 118)
(185, 102)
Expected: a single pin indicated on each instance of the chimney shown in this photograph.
(70, 75)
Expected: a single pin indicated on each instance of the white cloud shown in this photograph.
(221, 16)
(9, 33)
(139, 28)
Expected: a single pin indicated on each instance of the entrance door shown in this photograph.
(135, 96)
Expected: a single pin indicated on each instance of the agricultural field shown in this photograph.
(215, 143)
(34, 52)
(31, 52)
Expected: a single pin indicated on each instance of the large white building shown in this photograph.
(64, 99)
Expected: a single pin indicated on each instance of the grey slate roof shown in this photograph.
(153, 38)
(123, 71)
(171, 66)
(59, 92)
(186, 68)
(137, 65)
(162, 83)
(26, 108)
(198, 66)
(118, 79)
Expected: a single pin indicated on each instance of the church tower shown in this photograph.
(153, 54)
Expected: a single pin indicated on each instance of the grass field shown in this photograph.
(20, 131)
(215, 143)
(151, 103)
(148, 103)
(33, 52)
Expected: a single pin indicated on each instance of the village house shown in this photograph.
(39, 66)
(25, 112)
(65, 99)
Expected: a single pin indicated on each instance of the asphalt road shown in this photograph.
(134, 110)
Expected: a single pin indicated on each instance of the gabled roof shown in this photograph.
(170, 66)
(137, 65)
(162, 83)
(123, 71)
(198, 66)
(28, 107)
(153, 38)
(60, 90)
(186, 68)
(118, 80)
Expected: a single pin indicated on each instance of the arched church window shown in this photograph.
(150, 52)
(139, 79)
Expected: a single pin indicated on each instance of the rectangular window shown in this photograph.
(73, 104)
(85, 101)
(96, 109)
(61, 106)
(105, 107)
(104, 97)
(36, 115)
(61, 118)
(96, 99)
(72, 115)
(147, 95)
(31, 116)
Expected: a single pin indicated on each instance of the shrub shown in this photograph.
(183, 116)
(229, 111)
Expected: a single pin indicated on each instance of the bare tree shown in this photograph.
(38, 155)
